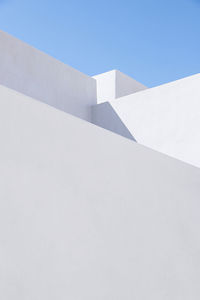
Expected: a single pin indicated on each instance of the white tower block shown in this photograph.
(115, 84)
(33, 73)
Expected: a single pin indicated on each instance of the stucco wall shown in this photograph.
(86, 214)
(165, 118)
(105, 116)
(114, 84)
(44, 78)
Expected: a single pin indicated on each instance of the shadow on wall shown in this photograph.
(104, 115)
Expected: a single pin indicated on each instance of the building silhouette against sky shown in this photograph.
(100, 182)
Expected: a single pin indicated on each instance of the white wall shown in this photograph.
(115, 84)
(86, 214)
(105, 86)
(165, 118)
(38, 75)
(126, 85)
(105, 116)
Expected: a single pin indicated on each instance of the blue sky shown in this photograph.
(154, 41)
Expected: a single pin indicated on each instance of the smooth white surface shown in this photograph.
(115, 84)
(86, 214)
(165, 118)
(104, 115)
(106, 83)
(126, 85)
(44, 78)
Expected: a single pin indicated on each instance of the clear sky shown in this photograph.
(154, 41)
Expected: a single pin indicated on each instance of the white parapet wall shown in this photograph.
(165, 118)
(38, 75)
(115, 84)
(86, 214)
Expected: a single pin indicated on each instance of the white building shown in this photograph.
(96, 212)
